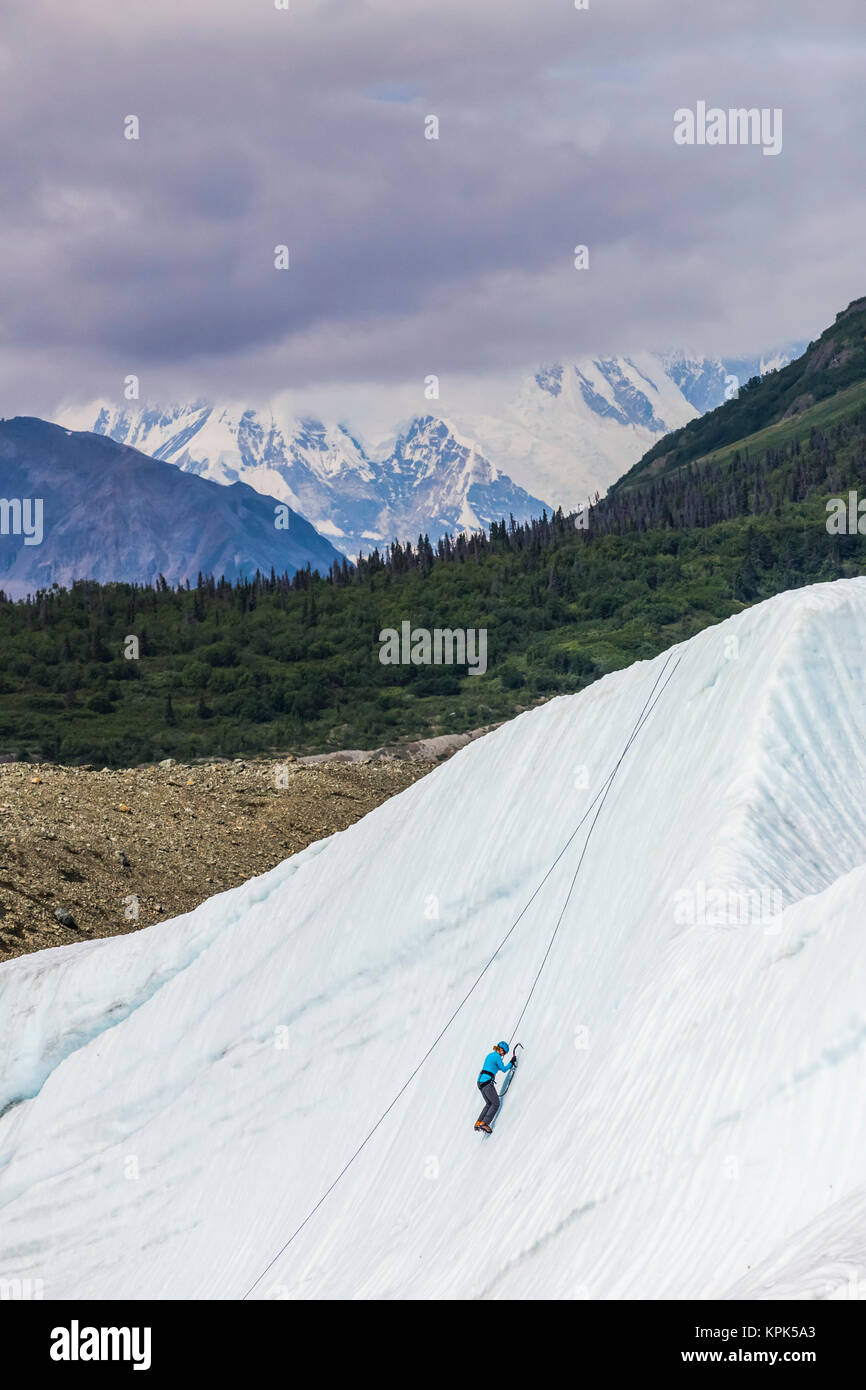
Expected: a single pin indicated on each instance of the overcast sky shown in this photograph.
(411, 256)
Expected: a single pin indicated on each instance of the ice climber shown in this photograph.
(487, 1084)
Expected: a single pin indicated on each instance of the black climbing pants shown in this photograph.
(491, 1099)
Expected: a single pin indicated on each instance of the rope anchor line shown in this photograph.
(601, 795)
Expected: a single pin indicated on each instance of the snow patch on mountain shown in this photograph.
(574, 427)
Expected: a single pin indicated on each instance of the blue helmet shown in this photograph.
(503, 1046)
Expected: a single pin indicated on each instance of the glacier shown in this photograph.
(688, 1117)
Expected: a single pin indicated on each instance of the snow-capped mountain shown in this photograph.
(707, 381)
(686, 1119)
(109, 512)
(431, 479)
(574, 427)
(550, 439)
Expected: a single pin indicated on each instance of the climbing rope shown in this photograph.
(607, 787)
(648, 707)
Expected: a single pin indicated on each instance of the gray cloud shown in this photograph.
(411, 256)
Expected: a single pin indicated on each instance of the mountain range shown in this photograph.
(728, 510)
(110, 512)
(564, 433)
(138, 493)
(431, 479)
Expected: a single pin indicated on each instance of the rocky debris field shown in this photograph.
(87, 853)
(431, 750)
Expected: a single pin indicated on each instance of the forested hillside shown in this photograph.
(294, 664)
(280, 663)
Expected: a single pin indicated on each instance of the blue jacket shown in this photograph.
(492, 1064)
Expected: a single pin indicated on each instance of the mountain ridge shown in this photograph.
(829, 365)
(113, 513)
(556, 437)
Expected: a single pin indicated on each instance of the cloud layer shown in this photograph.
(411, 256)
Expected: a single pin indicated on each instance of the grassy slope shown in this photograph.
(823, 386)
